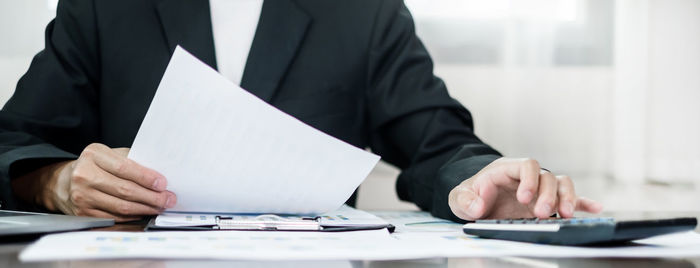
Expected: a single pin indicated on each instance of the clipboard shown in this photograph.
(268, 222)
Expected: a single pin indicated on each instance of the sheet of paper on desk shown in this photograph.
(239, 245)
(418, 221)
(224, 150)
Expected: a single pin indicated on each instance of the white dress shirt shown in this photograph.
(234, 23)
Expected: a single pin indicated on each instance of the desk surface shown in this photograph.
(9, 252)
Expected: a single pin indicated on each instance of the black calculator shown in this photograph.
(576, 231)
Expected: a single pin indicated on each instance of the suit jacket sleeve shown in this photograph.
(52, 114)
(414, 123)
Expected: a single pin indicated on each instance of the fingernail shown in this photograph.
(546, 209)
(527, 195)
(474, 206)
(158, 184)
(170, 202)
(598, 207)
(569, 208)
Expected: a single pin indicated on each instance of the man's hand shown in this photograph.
(517, 188)
(104, 183)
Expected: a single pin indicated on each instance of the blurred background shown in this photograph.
(606, 91)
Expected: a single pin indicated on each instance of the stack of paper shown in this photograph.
(344, 216)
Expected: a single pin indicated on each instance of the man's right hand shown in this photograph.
(103, 183)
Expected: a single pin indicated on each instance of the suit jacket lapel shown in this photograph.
(188, 24)
(280, 31)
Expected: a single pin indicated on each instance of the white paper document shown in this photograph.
(239, 245)
(223, 150)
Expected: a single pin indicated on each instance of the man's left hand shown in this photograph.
(517, 188)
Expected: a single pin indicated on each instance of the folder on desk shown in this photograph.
(342, 219)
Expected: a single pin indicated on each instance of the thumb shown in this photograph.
(465, 203)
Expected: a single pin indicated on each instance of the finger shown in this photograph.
(547, 195)
(464, 203)
(114, 205)
(122, 151)
(529, 180)
(125, 168)
(567, 196)
(588, 205)
(90, 212)
(128, 190)
(487, 194)
(527, 171)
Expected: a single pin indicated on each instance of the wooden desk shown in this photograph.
(9, 252)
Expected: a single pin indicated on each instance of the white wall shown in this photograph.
(657, 90)
(630, 112)
(536, 75)
(673, 139)
(557, 115)
(22, 26)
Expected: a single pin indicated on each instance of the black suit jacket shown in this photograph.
(353, 69)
